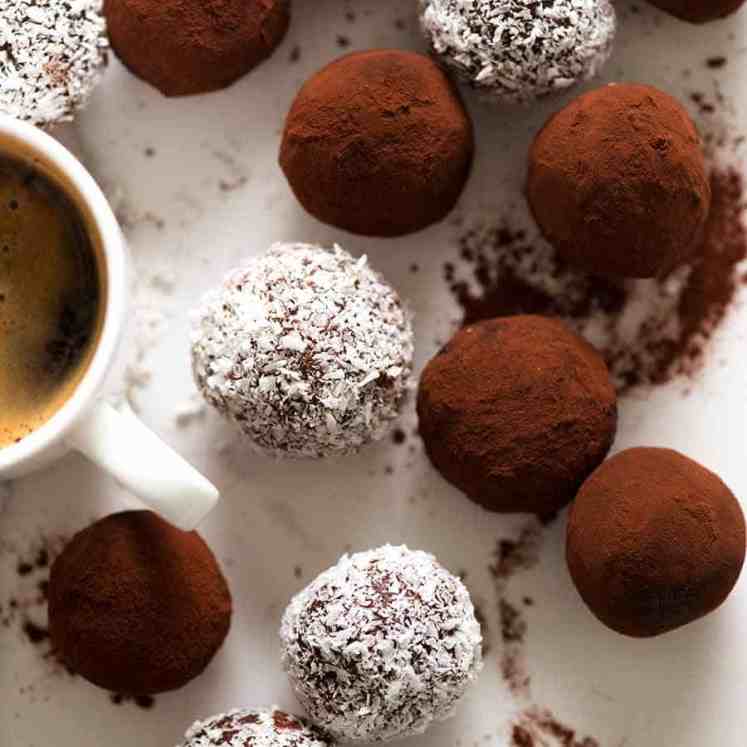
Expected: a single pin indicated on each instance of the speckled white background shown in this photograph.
(687, 689)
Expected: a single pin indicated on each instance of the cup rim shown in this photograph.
(53, 153)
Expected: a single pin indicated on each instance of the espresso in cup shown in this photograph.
(50, 298)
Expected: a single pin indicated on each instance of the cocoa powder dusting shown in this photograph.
(24, 607)
(649, 331)
(511, 557)
(538, 727)
(534, 726)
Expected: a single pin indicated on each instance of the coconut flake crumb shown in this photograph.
(307, 349)
(243, 727)
(381, 645)
(518, 51)
(52, 54)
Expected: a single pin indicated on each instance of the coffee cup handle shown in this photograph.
(121, 445)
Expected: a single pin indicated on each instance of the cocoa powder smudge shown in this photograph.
(649, 331)
(511, 557)
(535, 726)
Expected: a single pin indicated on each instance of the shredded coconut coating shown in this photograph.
(52, 54)
(381, 645)
(521, 50)
(307, 349)
(243, 727)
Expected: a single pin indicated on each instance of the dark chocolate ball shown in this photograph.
(185, 47)
(655, 541)
(699, 11)
(617, 182)
(517, 412)
(378, 143)
(137, 606)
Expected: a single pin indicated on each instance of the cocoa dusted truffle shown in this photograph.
(244, 727)
(378, 143)
(307, 349)
(516, 51)
(381, 645)
(699, 11)
(137, 606)
(52, 55)
(618, 184)
(185, 47)
(517, 412)
(655, 541)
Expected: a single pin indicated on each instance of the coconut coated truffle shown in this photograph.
(378, 143)
(699, 11)
(137, 606)
(245, 727)
(52, 55)
(618, 183)
(186, 47)
(308, 350)
(381, 645)
(655, 541)
(517, 412)
(516, 51)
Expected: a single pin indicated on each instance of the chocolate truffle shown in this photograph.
(655, 541)
(308, 350)
(185, 47)
(52, 55)
(244, 727)
(517, 412)
(618, 184)
(699, 11)
(137, 606)
(516, 51)
(378, 143)
(381, 645)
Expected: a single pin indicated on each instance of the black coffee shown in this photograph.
(50, 299)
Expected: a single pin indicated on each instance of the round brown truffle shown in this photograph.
(137, 606)
(516, 412)
(699, 11)
(617, 182)
(378, 143)
(185, 47)
(655, 541)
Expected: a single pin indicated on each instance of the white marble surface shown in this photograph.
(687, 689)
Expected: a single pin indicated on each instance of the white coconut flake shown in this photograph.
(520, 50)
(307, 349)
(381, 645)
(243, 727)
(52, 54)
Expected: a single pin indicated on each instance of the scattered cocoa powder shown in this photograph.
(513, 659)
(512, 556)
(146, 702)
(399, 436)
(649, 331)
(535, 726)
(24, 609)
(716, 62)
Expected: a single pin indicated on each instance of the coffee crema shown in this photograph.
(50, 299)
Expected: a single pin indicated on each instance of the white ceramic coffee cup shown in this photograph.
(118, 442)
